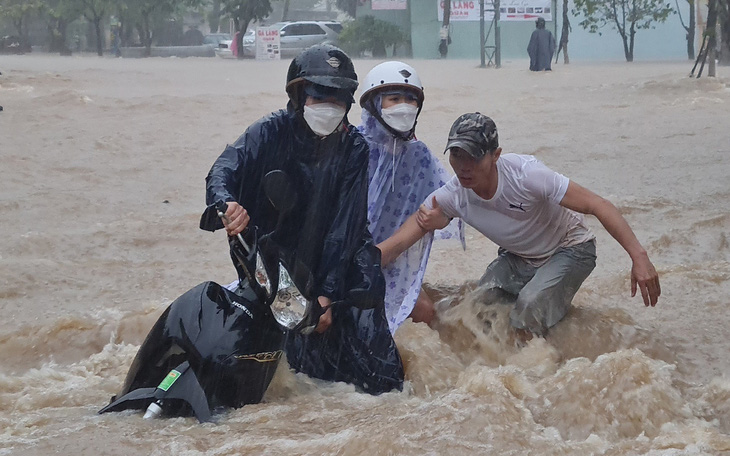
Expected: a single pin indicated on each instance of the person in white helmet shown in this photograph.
(402, 173)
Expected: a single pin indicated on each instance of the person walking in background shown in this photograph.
(541, 47)
(444, 41)
(402, 173)
(234, 44)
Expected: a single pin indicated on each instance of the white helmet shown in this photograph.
(390, 74)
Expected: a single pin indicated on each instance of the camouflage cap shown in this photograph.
(475, 133)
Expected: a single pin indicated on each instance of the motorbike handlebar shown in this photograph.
(221, 207)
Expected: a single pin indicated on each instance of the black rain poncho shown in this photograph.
(327, 232)
(541, 49)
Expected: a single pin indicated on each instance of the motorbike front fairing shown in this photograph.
(230, 340)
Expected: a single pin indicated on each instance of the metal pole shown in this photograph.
(497, 38)
(482, 51)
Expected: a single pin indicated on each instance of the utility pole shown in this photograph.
(444, 33)
(482, 38)
(497, 38)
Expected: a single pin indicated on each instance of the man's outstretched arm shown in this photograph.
(643, 272)
(408, 234)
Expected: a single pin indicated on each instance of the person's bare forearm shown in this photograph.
(618, 227)
(582, 200)
(407, 235)
(643, 273)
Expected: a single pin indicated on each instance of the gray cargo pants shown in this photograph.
(542, 295)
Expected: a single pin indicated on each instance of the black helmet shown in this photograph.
(324, 65)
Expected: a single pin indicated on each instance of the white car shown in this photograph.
(225, 47)
(296, 36)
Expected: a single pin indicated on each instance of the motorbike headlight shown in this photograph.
(289, 306)
(262, 278)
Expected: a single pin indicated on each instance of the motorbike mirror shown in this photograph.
(279, 190)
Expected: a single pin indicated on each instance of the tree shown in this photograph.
(626, 16)
(348, 6)
(95, 11)
(145, 12)
(19, 13)
(369, 34)
(689, 27)
(59, 14)
(243, 12)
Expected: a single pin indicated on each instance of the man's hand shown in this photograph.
(431, 219)
(236, 218)
(325, 320)
(645, 276)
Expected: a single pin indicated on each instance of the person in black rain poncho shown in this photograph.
(541, 47)
(326, 161)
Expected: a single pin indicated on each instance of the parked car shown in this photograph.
(215, 39)
(296, 36)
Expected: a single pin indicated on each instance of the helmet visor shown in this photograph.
(320, 92)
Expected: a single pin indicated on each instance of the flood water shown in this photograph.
(102, 174)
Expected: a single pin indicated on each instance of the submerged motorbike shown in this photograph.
(216, 348)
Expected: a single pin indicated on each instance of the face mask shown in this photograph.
(400, 117)
(324, 118)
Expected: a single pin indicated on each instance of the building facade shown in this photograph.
(422, 21)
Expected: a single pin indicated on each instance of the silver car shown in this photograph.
(296, 36)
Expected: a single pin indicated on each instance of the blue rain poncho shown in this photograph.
(401, 175)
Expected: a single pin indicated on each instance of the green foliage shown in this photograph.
(620, 14)
(369, 34)
(19, 12)
(18, 9)
(243, 12)
(625, 16)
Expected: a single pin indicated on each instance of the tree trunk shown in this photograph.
(564, 35)
(691, 31)
(724, 56)
(99, 42)
(57, 30)
(627, 53)
(711, 31)
(285, 13)
(145, 35)
(214, 17)
(632, 34)
(18, 24)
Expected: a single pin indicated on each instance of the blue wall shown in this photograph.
(665, 42)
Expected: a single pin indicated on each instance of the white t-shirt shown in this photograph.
(524, 216)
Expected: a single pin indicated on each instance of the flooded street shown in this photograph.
(102, 183)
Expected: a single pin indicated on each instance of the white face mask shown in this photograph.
(324, 118)
(400, 117)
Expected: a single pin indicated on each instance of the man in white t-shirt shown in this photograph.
(534, 215)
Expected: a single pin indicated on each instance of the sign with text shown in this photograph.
(389, 4)
(268, 43)
(509, 10)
